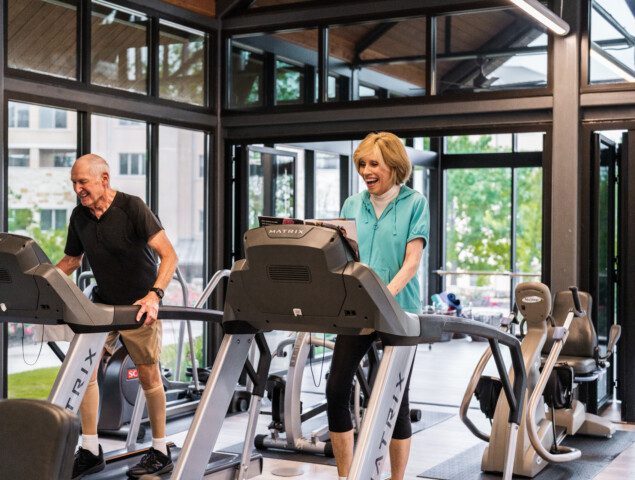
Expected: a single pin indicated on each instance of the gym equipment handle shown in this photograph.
(577, 307)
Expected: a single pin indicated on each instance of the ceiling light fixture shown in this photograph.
(543, 15)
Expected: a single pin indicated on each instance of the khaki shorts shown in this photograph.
(143, 343)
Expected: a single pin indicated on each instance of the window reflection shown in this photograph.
(247, 72)
(119, 56)
(490, 50)
(612, 50)
(289, 83)
(386, 59)
(42, 36)
(181, 64)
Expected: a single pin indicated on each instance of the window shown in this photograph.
(52, 219)
(389, 54)
(490, 50)
(118, 140)
(327, 185)
(247, 73)
(182, 210)
(132, 164)
(611, 48)
(42, 36)
(119, 56)
(367, 92)
(289, 83)
(18, 157)
(201, 166)
(181, 63)
(52, 118)
(57, 158)
(487, 252)
(291, 57)
(18, 115)
(39, 201)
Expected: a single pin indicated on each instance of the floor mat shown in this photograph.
(597, 453)
(428, 419)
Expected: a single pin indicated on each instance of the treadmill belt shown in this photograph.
(219, 461)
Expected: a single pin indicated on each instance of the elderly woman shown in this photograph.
(392, 224)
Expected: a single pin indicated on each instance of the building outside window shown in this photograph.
(132, 164)
(18, 157)
(52, 219)
(18, 115)
(53, 118)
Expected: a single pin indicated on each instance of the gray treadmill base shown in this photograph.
(597, 453)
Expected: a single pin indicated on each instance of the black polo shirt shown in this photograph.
(116, 246)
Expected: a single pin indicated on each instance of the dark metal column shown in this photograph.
(309, 184)
(323, 65)
(565, 154)
(4, 189)
(626, 275)
(435, 203)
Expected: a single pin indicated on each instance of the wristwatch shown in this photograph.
(158, 291)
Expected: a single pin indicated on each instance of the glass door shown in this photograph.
(604, 279)
(271, 186)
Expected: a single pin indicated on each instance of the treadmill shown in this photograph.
(32, 290)
(304, 278)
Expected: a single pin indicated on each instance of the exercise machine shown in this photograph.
(312, 264)
(545, 347)
(34, 291)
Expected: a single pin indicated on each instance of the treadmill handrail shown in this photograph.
(514, 393)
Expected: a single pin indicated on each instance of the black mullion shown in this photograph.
(4, 189)
(323, 64)
(309, 184)
(241, 179)
(83, 41)
(309, 84)
(345, 178)
(83, 133)
(513, 225)
(269, 80)
(431, 55)
(152, 39)
(152, 166)
(436, 238)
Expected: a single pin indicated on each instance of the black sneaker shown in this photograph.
(152, 463)
(87, 463)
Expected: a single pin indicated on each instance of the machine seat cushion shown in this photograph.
(37, 441)
(580, 365)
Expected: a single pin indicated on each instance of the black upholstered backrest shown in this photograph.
(582, 338)
(37, 440)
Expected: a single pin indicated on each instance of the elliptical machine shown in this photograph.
(540, 437)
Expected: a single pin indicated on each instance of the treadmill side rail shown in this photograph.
(210, 414)
(379, 420)
(79, 364)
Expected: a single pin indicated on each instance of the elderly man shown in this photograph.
(120, 236)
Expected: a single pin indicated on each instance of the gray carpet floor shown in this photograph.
(597, 453)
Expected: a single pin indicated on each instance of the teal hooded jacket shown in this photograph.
(382, 241)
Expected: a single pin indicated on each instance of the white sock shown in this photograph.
(160, 445)
(90, 443)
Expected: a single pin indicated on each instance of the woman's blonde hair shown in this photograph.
(391, 150)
